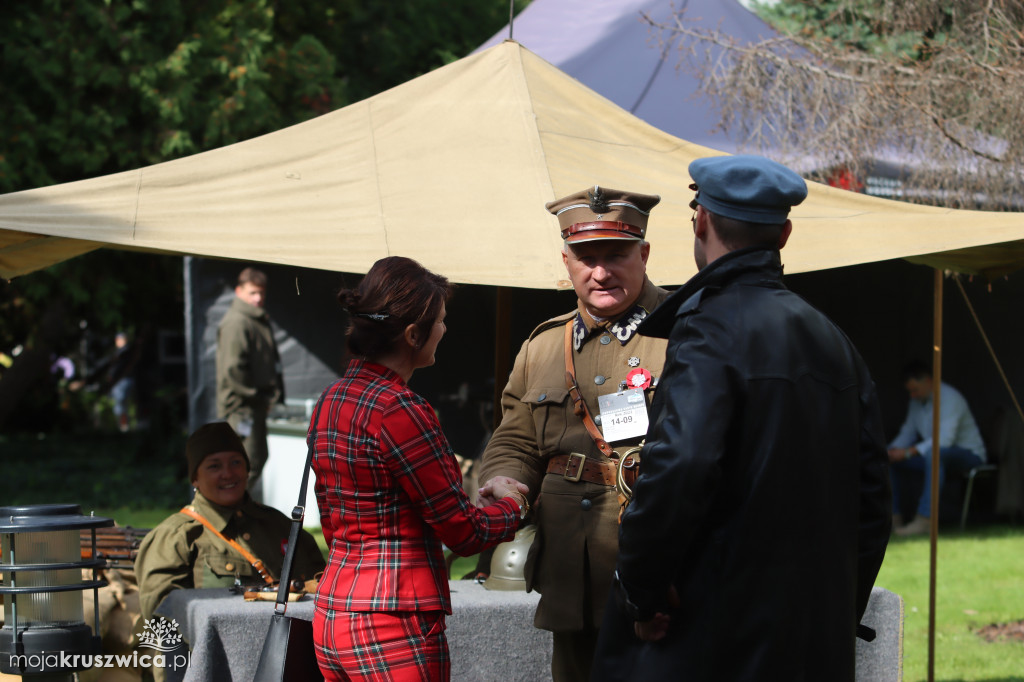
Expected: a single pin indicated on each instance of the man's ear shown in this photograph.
(784, 236)
(701, 224)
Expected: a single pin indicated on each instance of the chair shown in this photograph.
(1002, 431)
(980, 470)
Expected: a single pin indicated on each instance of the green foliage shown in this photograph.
(86, 299)
(979, 582)
(137, 470)
(383, 44)
(860, 25)
(94, 87)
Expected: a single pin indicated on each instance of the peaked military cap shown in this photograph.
(745, 187)
(603, 213)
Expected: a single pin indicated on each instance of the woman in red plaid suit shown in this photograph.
(390, 490)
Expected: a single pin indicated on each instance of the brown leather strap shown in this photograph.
(579, 404)
(577, 467)
(249, 556)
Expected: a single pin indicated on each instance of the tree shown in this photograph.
(931, 87)
(99, 86)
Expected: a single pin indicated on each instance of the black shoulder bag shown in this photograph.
(288, 653)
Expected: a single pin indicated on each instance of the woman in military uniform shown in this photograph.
(206, 543)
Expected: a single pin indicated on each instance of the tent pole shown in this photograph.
(501, 349)
(936, 458)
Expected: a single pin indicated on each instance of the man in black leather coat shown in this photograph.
(762, 511)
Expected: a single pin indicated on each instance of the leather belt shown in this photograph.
(576, 467)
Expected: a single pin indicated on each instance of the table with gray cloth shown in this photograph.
(490, 634)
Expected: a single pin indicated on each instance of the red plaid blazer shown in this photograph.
(390, 493)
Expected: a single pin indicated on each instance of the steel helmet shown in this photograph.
(509, 560)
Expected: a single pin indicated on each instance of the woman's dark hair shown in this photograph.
(395, 293)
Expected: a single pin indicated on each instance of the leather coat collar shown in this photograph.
(754, 265)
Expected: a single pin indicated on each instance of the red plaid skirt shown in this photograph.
(381, 646)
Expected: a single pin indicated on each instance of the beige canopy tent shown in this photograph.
(453, 169)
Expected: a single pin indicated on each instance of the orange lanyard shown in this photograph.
(256, 563)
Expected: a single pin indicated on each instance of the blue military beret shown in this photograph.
(744, 187)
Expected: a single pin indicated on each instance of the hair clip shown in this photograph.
(377, 317)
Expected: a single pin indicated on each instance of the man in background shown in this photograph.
(249, 378)
(961, 447)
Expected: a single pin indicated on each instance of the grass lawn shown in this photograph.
(979, 581)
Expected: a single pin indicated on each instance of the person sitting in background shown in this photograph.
(390, 490)
(961, 447)
(211, 542)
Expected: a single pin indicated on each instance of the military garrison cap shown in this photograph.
(745, 187)
(209, 439)
(603, 213)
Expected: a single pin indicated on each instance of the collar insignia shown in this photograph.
(622, 329)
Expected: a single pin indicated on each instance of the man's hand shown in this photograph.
(497, 488)
(656, 628)
(652, 630)
(897, 454)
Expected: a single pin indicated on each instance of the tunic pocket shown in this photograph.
(220, 570)
(550, 409)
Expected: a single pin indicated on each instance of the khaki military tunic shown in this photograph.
(248, 364)
(572, 560)
(249, 380)
(181, 553)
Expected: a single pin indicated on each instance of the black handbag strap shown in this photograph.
(298, 513)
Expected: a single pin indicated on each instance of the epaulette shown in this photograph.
(173, 522)
(552, 324)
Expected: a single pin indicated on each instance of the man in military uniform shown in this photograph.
(249, 379)
(581, 381)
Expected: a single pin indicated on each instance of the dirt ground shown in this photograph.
(1009, 631)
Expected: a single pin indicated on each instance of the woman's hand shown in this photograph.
(497, 488)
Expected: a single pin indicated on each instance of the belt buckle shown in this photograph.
(579, 471)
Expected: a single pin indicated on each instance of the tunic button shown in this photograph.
(543, 396)
(605, 340)
(246, 536)
(229, 566)
(599, 379)
(586, 504)
(597, 419)
(239, 513)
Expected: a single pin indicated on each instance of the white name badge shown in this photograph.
(623, 415)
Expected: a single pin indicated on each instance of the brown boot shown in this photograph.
(919, 526)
